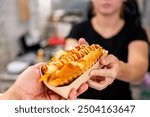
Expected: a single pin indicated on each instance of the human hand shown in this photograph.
(82, 41)
(102, 77)
(27, 86)
(71, 43)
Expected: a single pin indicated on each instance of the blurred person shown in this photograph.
(116, 26)
(28, 87)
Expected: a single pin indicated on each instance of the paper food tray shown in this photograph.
(65, 90)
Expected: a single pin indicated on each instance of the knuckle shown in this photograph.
(114, 75)
(99, 88)
(111, 55)
(111, 81)
(96, 72)
(114, 58)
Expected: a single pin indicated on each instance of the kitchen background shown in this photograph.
(33, 30)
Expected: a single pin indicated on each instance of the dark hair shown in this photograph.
(90, 12)
(130, 12)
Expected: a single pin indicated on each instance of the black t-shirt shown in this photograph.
(116, 45)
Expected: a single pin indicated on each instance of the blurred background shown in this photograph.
(33, 30)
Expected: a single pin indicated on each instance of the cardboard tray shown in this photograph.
(65, 90)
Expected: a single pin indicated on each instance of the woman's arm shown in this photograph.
(137, 65)
(132, 71)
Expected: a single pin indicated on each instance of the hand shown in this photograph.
(82, 41)
(27, 86)
(101, 78)
(71, 43)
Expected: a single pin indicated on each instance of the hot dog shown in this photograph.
(65, 68)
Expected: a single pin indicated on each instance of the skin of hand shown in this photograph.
(101, 78)
(27, 86)
(71, 43)
(82, 41)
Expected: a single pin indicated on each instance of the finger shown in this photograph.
(82, 88)
(72, 94)
(62, 98)
(97, 85)
(37, 74)
(50, 94)
(100, 85)
(54, 97)
(38, 65)
(107, 60)
(82, 41)
(98, 78)
(103, 72)
(109, 80)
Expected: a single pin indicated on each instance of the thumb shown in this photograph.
(103, 61)
(82, 41)
(108, 59)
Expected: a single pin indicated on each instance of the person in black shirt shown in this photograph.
(116, 26)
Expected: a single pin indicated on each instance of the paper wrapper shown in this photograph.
(65, 90)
